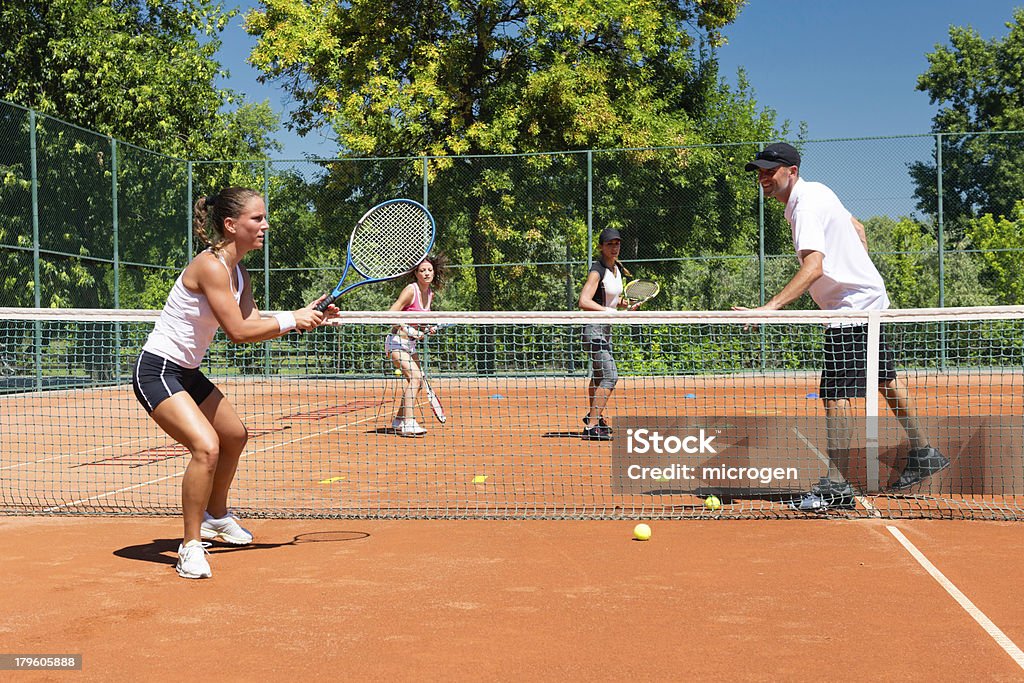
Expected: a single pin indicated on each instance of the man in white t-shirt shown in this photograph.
(837, 271)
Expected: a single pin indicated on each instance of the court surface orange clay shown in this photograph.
(524, 600)
(354, 599)
(324, 448)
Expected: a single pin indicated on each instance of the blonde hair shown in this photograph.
(209, 213)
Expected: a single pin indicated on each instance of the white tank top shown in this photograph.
(186, 326)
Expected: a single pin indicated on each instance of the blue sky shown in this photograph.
(846, 68)
(850, 68)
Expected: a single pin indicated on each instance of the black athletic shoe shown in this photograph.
(600, 423)
(921, 464)
(598, 433)
(826, 495)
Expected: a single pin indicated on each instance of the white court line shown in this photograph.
(1002, 640)
(182, 473)
(863, 500)
(88, 451)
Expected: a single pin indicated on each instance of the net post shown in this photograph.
(871, 400)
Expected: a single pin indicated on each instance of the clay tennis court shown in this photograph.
(496, 547)
(511, 448)
(518, 600)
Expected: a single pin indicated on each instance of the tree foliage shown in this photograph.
(976, 83)
(476, 78)
(1000, 243)
(141, 72)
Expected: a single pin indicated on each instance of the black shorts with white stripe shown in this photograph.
(156, 379)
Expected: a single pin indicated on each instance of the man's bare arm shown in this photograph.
(859, 227)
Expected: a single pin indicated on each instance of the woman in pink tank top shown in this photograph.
(401, 342)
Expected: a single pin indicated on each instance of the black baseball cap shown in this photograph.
(609, 234)
(774, 155)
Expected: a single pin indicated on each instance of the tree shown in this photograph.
(478, 78)
(142, 72)
(976, 82)
(1000, 243)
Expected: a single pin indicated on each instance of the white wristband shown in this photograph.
(285, 321)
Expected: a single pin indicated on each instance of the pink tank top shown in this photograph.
(417, 304)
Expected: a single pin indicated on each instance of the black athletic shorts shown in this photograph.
(846, 362)
(156, 379)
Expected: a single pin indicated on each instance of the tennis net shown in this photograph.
(706, 403)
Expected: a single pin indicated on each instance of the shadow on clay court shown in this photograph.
(733, 495)
(564, 435)
(165, 550)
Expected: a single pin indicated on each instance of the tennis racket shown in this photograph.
(639, 292)
(435, 402)
(389, 240)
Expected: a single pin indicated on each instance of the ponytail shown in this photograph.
(209, 213)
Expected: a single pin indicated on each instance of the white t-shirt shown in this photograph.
(821, 223)
(186, 326)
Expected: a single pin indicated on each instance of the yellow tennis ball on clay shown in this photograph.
(712, 503)
(641, 532)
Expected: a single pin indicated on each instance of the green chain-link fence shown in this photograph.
(88, 221)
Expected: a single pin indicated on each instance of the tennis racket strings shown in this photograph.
(640, 290)
(392, 240)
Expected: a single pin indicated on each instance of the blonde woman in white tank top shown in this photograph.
(212, 292)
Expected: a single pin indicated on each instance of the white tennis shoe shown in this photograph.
(192, 562)
(411, 427)
(396, 424)
(226, 529)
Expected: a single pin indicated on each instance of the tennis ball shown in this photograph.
(712, 503)
(641, 532)
(398, 372)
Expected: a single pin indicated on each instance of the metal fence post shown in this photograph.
(590, 209)
(941, 242)
(117, 257)
(267, 360)
(760, 266)
(426, 190)
(113, 204)
(266, 247)
(760, 238)
(941, 245)
(188, 214)
(37, 293)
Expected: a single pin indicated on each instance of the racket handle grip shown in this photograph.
(322, 306)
